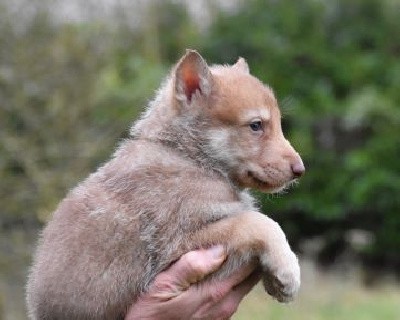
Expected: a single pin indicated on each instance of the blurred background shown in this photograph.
(75, 74)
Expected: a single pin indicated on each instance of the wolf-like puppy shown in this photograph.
(179, 183)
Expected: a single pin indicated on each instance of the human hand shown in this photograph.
(179, 293)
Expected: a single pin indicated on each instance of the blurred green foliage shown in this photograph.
(335, 67)
(68, 92)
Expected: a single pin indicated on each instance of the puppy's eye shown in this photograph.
(256, 125)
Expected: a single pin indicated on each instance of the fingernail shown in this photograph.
(217, 252)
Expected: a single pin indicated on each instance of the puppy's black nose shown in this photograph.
(298, 169)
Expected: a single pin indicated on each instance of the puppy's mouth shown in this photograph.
(264, 185)
(268, 187)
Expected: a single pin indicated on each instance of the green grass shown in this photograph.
(326, 297)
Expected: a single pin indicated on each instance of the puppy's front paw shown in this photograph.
(281, 276)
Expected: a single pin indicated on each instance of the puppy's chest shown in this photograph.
(190, 204)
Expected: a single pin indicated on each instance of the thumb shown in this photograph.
(190, 268)
(195, 265)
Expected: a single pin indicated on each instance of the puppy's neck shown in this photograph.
(186, 136)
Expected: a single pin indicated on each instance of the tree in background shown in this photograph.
(68, 92)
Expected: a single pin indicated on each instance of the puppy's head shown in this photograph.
(243, 122)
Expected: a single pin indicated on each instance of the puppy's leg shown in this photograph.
(252, 234)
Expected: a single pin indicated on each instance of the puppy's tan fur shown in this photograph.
(179, 183)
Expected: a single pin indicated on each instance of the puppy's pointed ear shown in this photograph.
(241, 64)
(192, 77)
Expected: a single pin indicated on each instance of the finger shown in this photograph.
(245, 287)
(190, 268)
(217, 290)
(239, 275)
(229, 304)
(195, 265)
